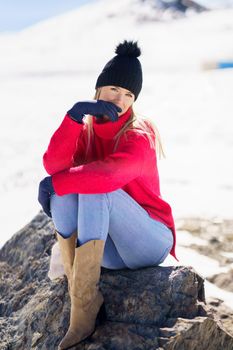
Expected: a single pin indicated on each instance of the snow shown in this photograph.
(46, 68)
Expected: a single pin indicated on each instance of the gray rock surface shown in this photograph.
(151, 308)
(223, 280)
(217, 234)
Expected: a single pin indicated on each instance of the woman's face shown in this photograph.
(121, 97)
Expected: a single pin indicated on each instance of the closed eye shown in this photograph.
(116, 89)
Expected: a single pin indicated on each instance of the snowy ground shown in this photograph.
(45, 69)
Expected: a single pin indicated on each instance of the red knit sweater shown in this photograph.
(132, 167)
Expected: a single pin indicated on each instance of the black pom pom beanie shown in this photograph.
(124, 69)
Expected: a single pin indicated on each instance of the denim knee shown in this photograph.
(64, 211)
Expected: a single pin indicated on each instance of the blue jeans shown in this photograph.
(132, 238)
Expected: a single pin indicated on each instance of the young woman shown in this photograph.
(103, 191)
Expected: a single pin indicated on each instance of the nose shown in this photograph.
(119, 97)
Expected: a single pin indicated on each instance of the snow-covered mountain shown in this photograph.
(46, 68)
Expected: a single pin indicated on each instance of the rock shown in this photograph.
(150, 308)
(199, 333)
(149, 295)
(216, 232)
(164, 10)
(221, 313)
(223, 280)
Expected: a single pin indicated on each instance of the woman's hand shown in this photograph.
(96, 108)
(45, 191)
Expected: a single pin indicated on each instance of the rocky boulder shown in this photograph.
(150, 308)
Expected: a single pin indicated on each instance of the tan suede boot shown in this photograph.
(86, 298)
(67, 248)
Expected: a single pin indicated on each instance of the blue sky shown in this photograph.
(18, 14)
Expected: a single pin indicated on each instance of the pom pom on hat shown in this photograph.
(128, 48)
(124, 69)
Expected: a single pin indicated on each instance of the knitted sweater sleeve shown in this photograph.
(62, 146)
(107, 175)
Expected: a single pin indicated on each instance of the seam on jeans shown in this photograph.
(102, 200)
(136, 205)
(109, 202)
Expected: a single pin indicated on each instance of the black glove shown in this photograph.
(97, 108)
(45, 191)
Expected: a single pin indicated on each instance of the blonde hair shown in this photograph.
(141, 124)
